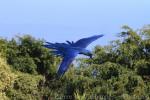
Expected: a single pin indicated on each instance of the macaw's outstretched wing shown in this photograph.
(83, 43)
(56, 45)
(65, 64)
(59, 49)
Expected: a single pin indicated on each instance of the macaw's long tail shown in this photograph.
(60, 73)
(65, 65)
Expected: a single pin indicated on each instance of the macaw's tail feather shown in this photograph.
(62, 69)
(60, 73)
(65, 64)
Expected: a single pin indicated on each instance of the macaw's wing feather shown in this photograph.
(70, 43)
(57, 53)
(49, 46)
(59, 49)
(55, 45)
(83, 43)
(65, 64)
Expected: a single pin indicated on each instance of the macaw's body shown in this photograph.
(68, 51)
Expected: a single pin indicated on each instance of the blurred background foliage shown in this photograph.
(118, 71)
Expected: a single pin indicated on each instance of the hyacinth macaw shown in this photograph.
(68, 51)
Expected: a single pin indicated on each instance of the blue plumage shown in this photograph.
(70, 50)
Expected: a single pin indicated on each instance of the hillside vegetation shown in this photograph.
(118, 71)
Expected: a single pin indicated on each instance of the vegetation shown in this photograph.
(118, 71)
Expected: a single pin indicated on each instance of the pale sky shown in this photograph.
(61, 20)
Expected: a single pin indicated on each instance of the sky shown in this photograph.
(61, 20)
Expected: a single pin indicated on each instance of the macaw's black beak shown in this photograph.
(91, 56)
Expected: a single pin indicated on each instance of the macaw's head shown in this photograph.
(90, 55)
(87, 53)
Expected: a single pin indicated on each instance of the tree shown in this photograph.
(118, 71)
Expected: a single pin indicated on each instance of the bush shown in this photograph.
(25, 87)
(6, 78)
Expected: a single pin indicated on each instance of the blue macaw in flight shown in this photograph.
(68, 51)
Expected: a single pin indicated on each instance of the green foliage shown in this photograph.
(27, 54)
(119, 71)
(122, 67)
(25, 64)
(25, 87)
(6, 78)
